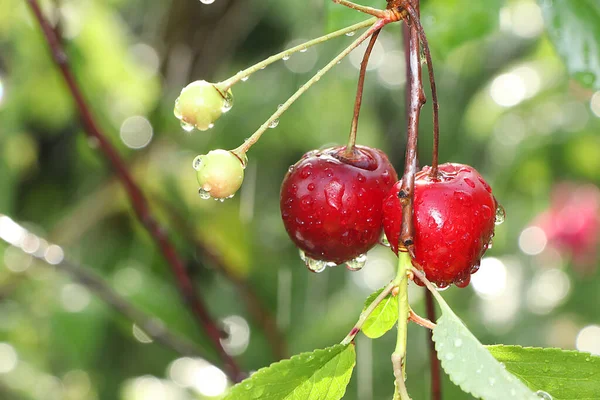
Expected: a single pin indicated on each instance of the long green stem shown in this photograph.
(227, 84)
(241, 150)
(399, 355)
(365, 314)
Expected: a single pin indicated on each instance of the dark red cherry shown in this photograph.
(331, 204)
(454, 218)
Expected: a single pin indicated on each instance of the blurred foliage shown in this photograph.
(507, 107)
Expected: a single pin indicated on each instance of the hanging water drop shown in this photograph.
(274, 123)
(210, 126)
(442, 287)
(186, 127)
(207, 1)
(303, 50)
(204, 194)
(197, 163)
(357, 264)
(500, 215)
(315, 265)
(244, 79)
(286, 57)
(228, 103)
(543, 395)
(350, 34)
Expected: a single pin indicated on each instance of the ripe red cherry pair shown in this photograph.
(335, 203)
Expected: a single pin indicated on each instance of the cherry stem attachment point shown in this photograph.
(367, 312)
(241, 150)
(227, 84)
(359, 93)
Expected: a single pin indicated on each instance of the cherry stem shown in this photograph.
(367, 312)
(359, 93)
(137, 199)
(417, 319)
(241, 150)
(227, 84)
(414, 19)
(399, 354)
(85, 276)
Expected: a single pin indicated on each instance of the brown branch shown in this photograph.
(136, 197)
(153, 327)
(413, 31)
(359, 93)
(434, 362)
(251, 300)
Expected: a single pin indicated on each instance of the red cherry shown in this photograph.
(331, 204)
(454, 217)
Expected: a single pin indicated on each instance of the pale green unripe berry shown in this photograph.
(200, 104)
(220, 174)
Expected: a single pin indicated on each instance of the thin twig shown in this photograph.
(359, 93)
(136, 197)
(434, 362)
(153, 327)
(413, 11)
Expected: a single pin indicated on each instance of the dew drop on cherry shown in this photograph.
(187, 127)
(500, 215)
(204, 194)
(197, 163)
(357, 264)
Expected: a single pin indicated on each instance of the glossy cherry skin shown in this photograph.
(454, 218)
(331, 204)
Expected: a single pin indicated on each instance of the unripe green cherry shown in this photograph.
(220, 174)
(200, 104)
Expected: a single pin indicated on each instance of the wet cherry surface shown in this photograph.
(454, 217)
(331, 204)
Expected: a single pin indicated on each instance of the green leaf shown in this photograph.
(383, 318)
(451, 23)
(319, 375)
(564, 374)
(470, 365)
(574, 29)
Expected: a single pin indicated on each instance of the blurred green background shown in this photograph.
(507, 107)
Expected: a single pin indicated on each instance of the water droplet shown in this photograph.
(204, 194)
(286, 57)
(279, 106)
(492, 381)
(187, 127)
(291, 169)
(442, 286)
(315, 265)
(458, 342)
(228, 103)
(244, 79)
(357, 264)
(210, 126)
(469, 182)
(350, 34)
(543, 395)
(500, 215)
(197, 163)
(303, 50)
(490, 244)
(450, 356)
(274, 123)
(247, 385)
(311, 187)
